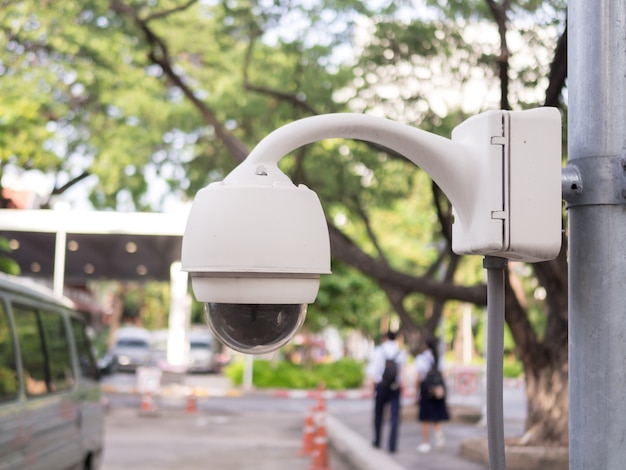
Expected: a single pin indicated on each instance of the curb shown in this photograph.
(178, 390)
(462, 412)
(355, 450)
(174, 391)
(327, 394)
(352, 394)
(518, 457)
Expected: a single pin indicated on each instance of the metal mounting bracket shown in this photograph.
(595, 181)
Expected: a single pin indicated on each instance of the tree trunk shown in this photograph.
(547, 421)
(545, 359)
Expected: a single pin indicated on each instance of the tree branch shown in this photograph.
(292, 98)
(523, 333)
(499, 13)
(346, 251)
(553, 276)
(61, 189)
(159, 55)
(439, 305)
(166, 13)
(444, 212)
(558, 73)
(370, 232)
(411, 332)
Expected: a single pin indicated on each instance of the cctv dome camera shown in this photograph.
(255, 328)
(255, 246)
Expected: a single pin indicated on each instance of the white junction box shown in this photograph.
(517, 206)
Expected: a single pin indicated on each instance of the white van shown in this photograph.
(51, 412)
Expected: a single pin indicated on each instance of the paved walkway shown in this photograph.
(407, 457)
(174, 440)
(349, 430)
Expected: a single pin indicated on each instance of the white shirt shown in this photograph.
(387, 350)
(423, 363)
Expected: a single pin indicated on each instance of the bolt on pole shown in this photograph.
(597, 228)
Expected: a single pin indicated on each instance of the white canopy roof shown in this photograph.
(98, 244)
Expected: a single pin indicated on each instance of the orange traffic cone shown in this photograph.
(320, 446)
(309, 433)
(321, 404)
(147, 406)
(192, 403)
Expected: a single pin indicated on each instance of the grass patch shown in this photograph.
(339, 375)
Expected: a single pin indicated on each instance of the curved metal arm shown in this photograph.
(456, 168)
(500, 170)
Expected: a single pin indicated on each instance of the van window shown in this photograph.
(86, 359)
(33, 354)
(8, 368)
(44, 350)
(58, 349)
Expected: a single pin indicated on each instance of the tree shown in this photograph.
(7, 264)
(128, 88)
(543, 351)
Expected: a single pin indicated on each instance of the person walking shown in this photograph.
(433, 409)
(385, 373)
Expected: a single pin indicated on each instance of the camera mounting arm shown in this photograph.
(450, 164)
(501, 171)
(255, 244)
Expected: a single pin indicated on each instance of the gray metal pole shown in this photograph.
(597, 233)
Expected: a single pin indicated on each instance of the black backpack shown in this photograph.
(434, 384)
(390, 374)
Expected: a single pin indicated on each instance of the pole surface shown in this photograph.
(496, 268)
(597, 233)
(179, 318)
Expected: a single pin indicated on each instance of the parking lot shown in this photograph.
(254, 432)
(175, 440)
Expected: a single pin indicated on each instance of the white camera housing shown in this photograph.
(253, 241)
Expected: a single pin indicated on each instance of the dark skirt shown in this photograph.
(431, 410)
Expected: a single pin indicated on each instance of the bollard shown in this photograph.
(192, 403)
(308, 434)
(147, 406)
(320, 445)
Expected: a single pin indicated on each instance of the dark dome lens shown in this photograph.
(255, 328)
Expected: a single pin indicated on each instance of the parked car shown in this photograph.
(131, 348)
(158, 348)
(201, 354)
(51, 411)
